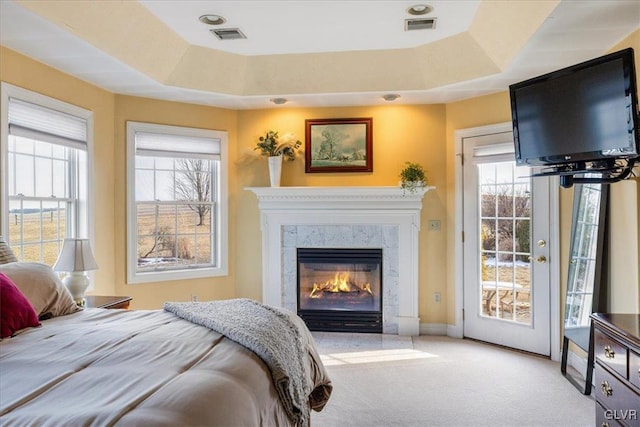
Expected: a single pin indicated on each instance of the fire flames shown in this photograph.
(341, 283)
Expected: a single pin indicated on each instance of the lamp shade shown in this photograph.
(76, 255)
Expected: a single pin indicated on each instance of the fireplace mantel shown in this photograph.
(343, 198)
(340, 217)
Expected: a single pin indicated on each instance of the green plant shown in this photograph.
(270, 145)
(412, 177)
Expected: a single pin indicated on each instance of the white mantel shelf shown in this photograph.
(342, 198)
(344, 217)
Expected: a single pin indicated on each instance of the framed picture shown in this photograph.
(338, 145)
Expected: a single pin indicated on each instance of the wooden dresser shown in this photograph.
(617, 373)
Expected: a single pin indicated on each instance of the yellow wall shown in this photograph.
(624, 270)
(400, 133)
(624, 218)
(21, 71)
(153, 295)
(419, 133)
(483, 111)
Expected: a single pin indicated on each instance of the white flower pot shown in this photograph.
(412, 186)
(275, 170)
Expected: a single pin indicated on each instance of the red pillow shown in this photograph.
(16, 312)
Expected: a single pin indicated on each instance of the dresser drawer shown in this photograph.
(619, 401)
(634, 369)
(611, 353)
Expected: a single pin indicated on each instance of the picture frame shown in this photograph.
(338, 145)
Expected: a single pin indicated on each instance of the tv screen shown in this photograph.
(584, 113)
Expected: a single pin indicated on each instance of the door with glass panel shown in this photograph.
(505, 249)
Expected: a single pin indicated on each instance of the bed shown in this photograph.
(146, 367)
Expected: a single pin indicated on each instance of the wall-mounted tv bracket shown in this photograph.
(622, 169)
(610, 171)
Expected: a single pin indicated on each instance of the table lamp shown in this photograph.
(76, 259)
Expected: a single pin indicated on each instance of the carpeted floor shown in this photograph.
(387, 380)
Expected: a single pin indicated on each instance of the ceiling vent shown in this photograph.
(420, 24)
(228, 34)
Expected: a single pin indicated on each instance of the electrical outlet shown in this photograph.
(436, 297)
(434, 224)
(194, 298)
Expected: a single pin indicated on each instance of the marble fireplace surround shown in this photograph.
(343, 217)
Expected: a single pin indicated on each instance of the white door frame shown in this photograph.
(554, 244)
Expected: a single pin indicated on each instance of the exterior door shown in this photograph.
(506, 247)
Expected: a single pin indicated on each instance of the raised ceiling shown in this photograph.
(314, 53)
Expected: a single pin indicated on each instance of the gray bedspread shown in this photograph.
(267, 331)
(141, 368)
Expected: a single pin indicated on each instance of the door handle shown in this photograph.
(541, 259)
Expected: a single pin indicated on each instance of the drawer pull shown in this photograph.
(605, 424)
(608, 352)
(606, 389)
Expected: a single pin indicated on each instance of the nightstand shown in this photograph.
(106, 301)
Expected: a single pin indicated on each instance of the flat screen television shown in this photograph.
(583, 117)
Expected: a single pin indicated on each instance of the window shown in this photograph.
(177, 202)
(45, 151)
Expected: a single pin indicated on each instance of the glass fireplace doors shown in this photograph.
(340, 289)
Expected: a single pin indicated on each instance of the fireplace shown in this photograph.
(340, 289)
(344, 217)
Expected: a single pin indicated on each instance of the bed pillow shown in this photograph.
(16, 312)
(6, 254)
(42, 287)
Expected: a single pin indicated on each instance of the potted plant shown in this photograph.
(412, 177)
(270, 145)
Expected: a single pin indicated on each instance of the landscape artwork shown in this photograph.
(338, 145)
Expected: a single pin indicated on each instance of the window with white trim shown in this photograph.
(177, 202)
(45, 152)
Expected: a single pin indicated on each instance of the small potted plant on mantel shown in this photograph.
(270, 145)
(412, 177)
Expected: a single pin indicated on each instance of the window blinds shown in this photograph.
(176, 146)
(493, 149)
(45, 124)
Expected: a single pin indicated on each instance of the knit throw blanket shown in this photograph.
(266, 331)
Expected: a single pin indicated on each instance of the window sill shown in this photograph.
(169, 275)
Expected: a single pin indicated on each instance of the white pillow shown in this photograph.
(42, 287)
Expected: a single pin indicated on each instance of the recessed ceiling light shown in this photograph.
(390, 97)
(419, 9)
(212, 19)
(279, 101)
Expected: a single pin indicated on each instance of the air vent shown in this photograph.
(420, 24)
(228, 34)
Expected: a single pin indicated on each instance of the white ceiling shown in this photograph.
(307, 26)
(575, 31)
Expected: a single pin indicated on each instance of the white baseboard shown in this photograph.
(433, 329)
(455, 331)
(408, 326)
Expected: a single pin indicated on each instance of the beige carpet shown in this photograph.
(386, 380)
